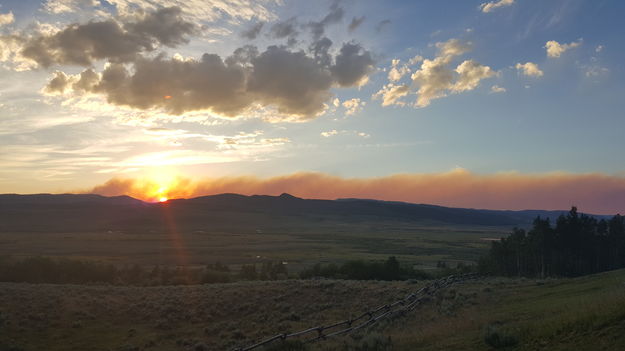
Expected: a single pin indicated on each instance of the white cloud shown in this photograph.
(391, 93)
(453, 47)
(329, 133)
(353, 106)
(493, 5)
(594, 71)
(435, 77)
(529, 69)
(396, 73)
(555, 49)
(334, 132)
(599, 48)
(65, 6)
(202, 10)
(470, 75)
(415, 60)
(497, 89)
(6, 18)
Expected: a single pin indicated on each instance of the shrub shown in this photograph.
(498, 338)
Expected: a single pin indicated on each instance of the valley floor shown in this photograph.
(585, 313)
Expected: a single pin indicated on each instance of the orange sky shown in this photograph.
(593, 192)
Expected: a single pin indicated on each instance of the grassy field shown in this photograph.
(585, 313)
(300, 243)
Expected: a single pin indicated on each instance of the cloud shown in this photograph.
(293, 82)
(252, 32)
(329, 133)
(6, 18)
(334, 16)
(58, 84)
(84, 44)
(495, 89)
(453, 47)
(355, 23)
(352, 65)
(209, 11)
(415, 60)
(594, 192)
(555, 49)
(62, 83)
(529, 69)
(391, 94)
(176, 86)
(65, 6)
(493, 5)
(353, 106)
(435, 78)
(593, 71)
(382, 24)
(470, 73)
(334, 132)
(283, 29)
(397, 72)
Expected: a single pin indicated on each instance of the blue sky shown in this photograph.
(562, 113)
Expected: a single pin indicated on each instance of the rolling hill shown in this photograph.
(89, 212)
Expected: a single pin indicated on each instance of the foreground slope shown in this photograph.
(585, 313)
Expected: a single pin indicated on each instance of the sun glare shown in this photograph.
(160, 185)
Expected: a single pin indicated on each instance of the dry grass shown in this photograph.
(585, 313)
(220, 316)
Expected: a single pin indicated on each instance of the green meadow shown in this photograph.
(299, 242)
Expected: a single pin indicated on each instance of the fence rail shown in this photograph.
(399, 307)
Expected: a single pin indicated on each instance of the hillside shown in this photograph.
(585, 313)
(80, 213)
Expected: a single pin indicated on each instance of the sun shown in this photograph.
(160, 185)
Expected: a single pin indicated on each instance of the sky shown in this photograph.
(505, 104)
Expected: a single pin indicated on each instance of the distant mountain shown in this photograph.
(89, 212)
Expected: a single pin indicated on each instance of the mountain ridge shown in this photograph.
(92, 212)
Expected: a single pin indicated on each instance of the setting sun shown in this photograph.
(156, 185)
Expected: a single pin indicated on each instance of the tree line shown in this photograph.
(578, 244)
(390, 269)
(73, 271)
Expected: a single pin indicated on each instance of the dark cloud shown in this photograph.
(284, 29)
(294, 82)
(243, 55)
(87, 80)
(83, 44)
(166, 25)
(320, 49)
(355, 23)
(352, 65)
(334, 16)
(61, 82)
(177, 86)
(58, 84)
(252, 32)
(382, 24)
